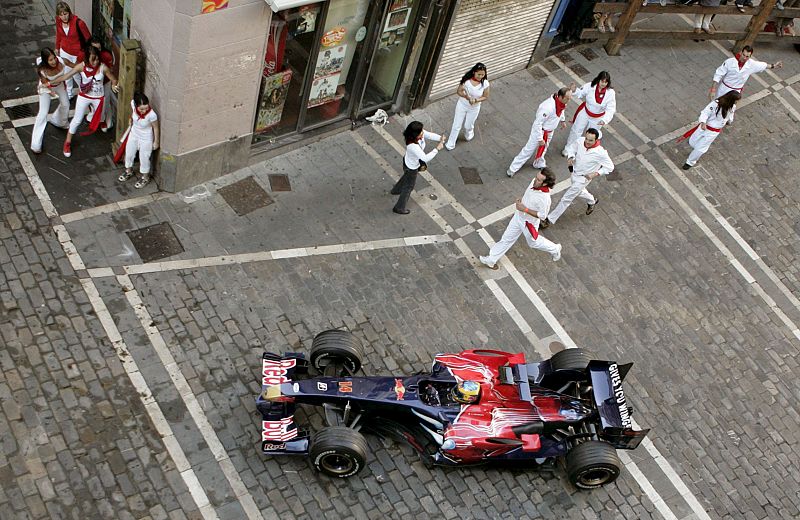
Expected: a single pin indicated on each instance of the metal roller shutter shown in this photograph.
(500, 33)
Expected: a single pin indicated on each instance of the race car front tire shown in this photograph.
(592, 464)
(338, 451)
(338, 347)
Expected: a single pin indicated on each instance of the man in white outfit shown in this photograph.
(587, 160)
(548, 115)
(734, 72)
(597, 109)
(530, 210)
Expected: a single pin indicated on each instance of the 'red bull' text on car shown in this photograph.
(476, 406)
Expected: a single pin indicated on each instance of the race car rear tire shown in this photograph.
(336, 346)
(592, 464)
(338, 451)
(570, 359)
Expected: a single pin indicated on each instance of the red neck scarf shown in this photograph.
(544, 189)
(595, 145)
(599, 94)
(142, 116)
(560, 105)
(90, 71)
(739, 60)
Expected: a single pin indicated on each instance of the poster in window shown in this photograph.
(398, 4)
(307, 20)
(330, 61)
(323, 90)
(397, 19)
(273, 97)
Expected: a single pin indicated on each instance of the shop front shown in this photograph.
(333, 61)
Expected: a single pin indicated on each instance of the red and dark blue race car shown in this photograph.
(473, 407)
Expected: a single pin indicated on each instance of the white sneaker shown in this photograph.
(485, 261)
(468, 137)
(450, 148)
(557, 256)
(564, 153)
(509, 172)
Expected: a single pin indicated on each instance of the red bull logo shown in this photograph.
(399, 389)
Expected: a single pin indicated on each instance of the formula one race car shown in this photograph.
(473, 407)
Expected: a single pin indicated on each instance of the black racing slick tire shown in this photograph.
(592, 464)
(337, 347)
(570, 359)
(338, 451)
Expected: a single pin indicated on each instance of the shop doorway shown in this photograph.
(334, 60)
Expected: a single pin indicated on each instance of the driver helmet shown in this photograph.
(466, 392)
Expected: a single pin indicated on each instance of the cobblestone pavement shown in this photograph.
(128, 387)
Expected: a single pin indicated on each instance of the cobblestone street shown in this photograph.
(127, 387)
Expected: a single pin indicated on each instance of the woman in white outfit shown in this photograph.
(473, 89)
(142, 137)
(92, 73)
(599, 104)
(712, 120)
(50, 68)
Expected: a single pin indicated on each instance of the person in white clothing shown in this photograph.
(50, 68)
(142, 137)
(472, 91)
(92, 72)
(415, 160)
(531, 209)
(548, 115)
(734, 72)
(597, 109)
(714, 117)
(587, 160)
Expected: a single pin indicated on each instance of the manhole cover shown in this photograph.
(470, 175)
(245, 196)
(588, 53)
(155, 242)
(579, 69)
(565, 57)
(614, 176)
(279, 182)
(20, 111)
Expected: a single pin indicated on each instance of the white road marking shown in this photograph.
(114, 206)
(27, 100)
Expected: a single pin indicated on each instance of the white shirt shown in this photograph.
(473, 91)
(731, 76)
(95, 83)
(546, 118)
(46, 90)
(142, 127)
(589, 160)
(711, 118)
(608, 105)
(416, 151)
(537, 202)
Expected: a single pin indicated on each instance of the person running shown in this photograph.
(714, 117)
(735, 71)
(531, 209)
(472, 91)
(414, 161)
(142, 137)
(50, 68)
(587, 160)
(548, 115)
(92, 74)
(72, 36)
(597, 110)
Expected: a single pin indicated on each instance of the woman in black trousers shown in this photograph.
(414, 161)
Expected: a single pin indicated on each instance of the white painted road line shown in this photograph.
(114, 206)
(27, 100)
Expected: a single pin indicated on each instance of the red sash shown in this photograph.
(540, 151)
(96, 118)
(533, 231)
(582, 106)
(691, 131)
(120, 153)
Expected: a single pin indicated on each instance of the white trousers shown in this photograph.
(145, 149)
(700, 141)
(582, 123)
(76, 79)
(577, 189)
(516, 228)
(465, 116)
(528, 151)
(60, 116)
(82, 105)
(702, 21)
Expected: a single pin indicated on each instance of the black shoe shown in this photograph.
(395, 192)
(544, 224)
(590, 207)
(686, 166)
(401, 211)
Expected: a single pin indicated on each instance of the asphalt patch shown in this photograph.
(245, 196)
(155, 242)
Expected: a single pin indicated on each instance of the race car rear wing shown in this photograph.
(612, 406)
(279, 433)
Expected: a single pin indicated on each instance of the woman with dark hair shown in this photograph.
(473, 89)
(599, 104)
(50, 68)
(714, 117)
(72, 36)
(414, 161)
(91, 73)
(142, 137)
(107, 59)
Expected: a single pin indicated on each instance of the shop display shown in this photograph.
(273, 96)
(395, 27)
(308, 19)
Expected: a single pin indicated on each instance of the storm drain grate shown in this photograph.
(155, 242)
(279, 182)
(588, 53)
(614, 176)
(470, 175)
(565, 57)
(20, 111)
(579, 69)
(245, 196)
